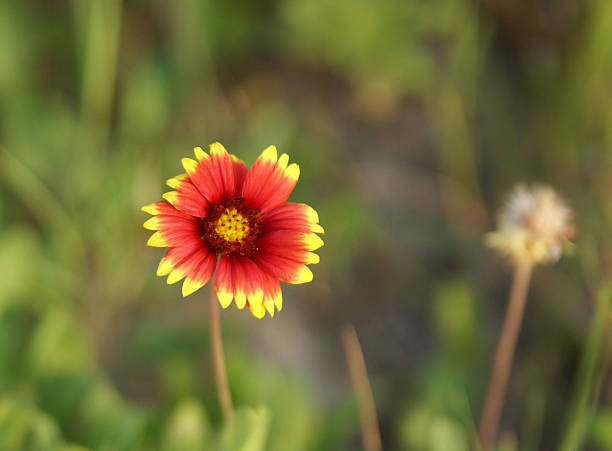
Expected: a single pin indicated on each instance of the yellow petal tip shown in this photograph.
(312, 214)
(225, 298)
(269, 305)
(175, 275)
(157, 240)
(269, 154)
(312, 241)
(304, 275)
(240, 299)
(200, 154)
(258, 310)
(217, 149)
(164, 268)
(278, 301)
(283, 160)
(152, 223)
(170, 196)
(293, 171)
(190, 286)
(317, 228)
(312, 259)
(150, 208)
(174, 182)
(189, 165)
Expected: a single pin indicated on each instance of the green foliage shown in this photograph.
(246, 431)
(409, 121)
(187, 427)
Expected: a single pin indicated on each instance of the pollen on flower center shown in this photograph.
(232, 226)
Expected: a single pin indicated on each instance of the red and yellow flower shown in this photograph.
(235, 223)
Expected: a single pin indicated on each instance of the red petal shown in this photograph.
(240, 172)
(239, 277)
(178, 231)
(224, 284)
(291, 240)
(163, 207)
(213, 176)
(272, 293)
(292, 216)
(200, 266)
(252, 279)
(187, 198)
(285, 269)
(269, 182)
(176, 255)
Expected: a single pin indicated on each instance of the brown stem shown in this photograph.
(498, 383)
(225, 398)
(358, 372)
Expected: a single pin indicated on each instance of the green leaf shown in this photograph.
(59, 345)
(18, 254)
(187, 427)
(23, 426)
(246, 431)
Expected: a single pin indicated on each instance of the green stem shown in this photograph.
(581, 412)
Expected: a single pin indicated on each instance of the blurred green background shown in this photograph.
(410, 119)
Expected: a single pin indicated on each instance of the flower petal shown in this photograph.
(273, 296)
(270, 181)
(186, 198)
(224, 283)
(284, 254)
(291, 240)
(213, 175)
(162, 207)
(198, 270)
(292, 216)
(175, 256)
(251, 284)
(240, 172)
(193, 263)
(239, 278)
(174, 230)
(285, 269)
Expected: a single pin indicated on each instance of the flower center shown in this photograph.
(231, 228)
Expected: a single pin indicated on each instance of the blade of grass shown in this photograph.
(581, 412)
(358, 372)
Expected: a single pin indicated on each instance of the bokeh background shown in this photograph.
(410, 120)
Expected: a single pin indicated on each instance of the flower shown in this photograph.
(235, 223)
(535, 225)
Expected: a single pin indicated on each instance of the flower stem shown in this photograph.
(358, 372)
(502, 363)
(225, 398)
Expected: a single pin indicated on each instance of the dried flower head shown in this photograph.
(235, 223)
(535, 225)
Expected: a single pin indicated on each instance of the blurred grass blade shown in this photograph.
(101, 35)
(581, 412)
(363, 391)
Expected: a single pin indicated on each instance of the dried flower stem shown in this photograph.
(225, 398)
(498, 383)
(370, 432)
